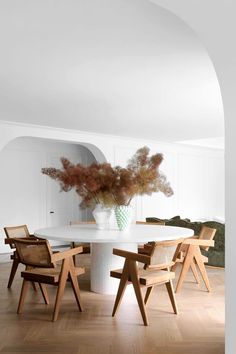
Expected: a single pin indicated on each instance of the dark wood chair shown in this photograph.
(155, 271)
(42, 268)
(190, 256)
(11, 232)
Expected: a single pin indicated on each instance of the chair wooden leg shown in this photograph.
(75, 285)
(185, 267)
(61, 288)
(135, 281)
(44, 293)
(176, 254)
(148, 293)
(173, 268)
(24, 289)
(122, 287)
(170, 289)
(74, 257)
(194, 271)
(201, 266)
(74, 260)
(13, 272)
(33, 286)
(32, 283)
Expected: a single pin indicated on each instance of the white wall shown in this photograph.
(196, 175)
(204, 17)
(27, 196)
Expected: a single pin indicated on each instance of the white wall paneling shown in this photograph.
(27, 196)
(196, 175)
(201, 185)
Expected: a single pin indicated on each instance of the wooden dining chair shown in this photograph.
(41, 267)
(190, 256)
(155, 271)
(141, 248)
(11, 232)
(150, 223)
(85, 245)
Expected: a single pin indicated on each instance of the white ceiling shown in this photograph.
(122, 67)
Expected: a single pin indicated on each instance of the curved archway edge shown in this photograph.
(11, 131)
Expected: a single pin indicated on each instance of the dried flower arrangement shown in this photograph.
(112, 186)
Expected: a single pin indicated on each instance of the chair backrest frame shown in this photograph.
(150, 223)
(77, 222)
(162, 253)
(11, 232)
(207, 233)
(34, 253)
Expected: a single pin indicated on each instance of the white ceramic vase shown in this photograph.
(102, 216)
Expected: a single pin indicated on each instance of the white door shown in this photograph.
(62, 207)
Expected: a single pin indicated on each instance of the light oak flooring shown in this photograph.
(198, 329)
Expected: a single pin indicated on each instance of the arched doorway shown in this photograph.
(27, 196)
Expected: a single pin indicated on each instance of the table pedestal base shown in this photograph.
(102, 262)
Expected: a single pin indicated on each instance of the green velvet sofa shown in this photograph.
(216, 254)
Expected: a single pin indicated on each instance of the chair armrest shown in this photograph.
(132, 256)
(10, 241)
(33, 236)
(55, 257)
(199, 242)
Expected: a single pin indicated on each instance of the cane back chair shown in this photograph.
(155, 271)
(41, 267)
(11, 232)
(190, 256)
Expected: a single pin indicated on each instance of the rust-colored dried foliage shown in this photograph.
(102, 183)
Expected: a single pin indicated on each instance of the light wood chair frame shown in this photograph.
(15, 259)
(68, 272)
(150, 223)
(192, 259)
(130, 275)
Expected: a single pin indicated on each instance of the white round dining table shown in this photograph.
(103, 242)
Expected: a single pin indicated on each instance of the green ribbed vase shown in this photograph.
(123, 215)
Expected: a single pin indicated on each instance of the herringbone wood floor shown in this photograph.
(198, 329)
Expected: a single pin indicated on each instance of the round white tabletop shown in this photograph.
(103, 241)
(136, 233)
